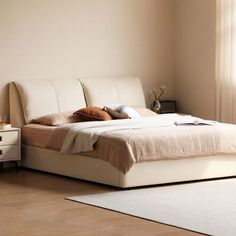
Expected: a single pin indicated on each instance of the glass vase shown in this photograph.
(156, 106)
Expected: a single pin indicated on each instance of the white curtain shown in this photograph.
(226, 61)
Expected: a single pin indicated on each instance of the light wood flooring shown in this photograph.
(32, 203)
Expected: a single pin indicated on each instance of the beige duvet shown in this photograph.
(123, 143)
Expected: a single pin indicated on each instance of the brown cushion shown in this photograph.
(92, 114)
(115, 114)
(56, 119)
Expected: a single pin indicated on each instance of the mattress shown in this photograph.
(123, 144)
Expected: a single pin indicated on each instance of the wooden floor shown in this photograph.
(32, 203)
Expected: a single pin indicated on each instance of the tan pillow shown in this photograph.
(92, 114)
(56, 119)
(115, 114)
(143, 111)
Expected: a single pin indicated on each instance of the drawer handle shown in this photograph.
(0, 152)
(0, 138)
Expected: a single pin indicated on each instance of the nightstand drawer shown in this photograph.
(9, 152)
(7, 138)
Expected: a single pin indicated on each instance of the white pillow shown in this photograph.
(130, 111)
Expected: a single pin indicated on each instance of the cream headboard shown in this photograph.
(32, 99)
(101, 92)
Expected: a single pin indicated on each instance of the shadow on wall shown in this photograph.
(4, 100)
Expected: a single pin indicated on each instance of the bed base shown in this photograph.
(146, 173)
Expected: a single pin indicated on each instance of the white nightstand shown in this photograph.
(10, 145)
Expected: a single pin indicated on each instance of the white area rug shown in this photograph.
(206, 207)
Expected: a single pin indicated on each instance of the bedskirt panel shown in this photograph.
(180, 170)
(75, 166)
(144, 173)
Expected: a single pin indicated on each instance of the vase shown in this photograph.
(156, 106)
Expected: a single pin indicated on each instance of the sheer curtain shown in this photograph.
(226, 61)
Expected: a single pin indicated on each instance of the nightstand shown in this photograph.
(9, 145)
(168, 106)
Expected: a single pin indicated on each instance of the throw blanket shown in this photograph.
(124, 142)
(82, 136)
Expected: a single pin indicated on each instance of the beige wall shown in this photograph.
(161, 41)
(194, 56)
(42, 39)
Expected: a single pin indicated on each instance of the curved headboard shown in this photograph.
(31, 99)
(102, 92)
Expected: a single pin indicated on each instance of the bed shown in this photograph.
(49, 96)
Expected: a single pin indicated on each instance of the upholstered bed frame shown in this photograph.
(50, 96)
